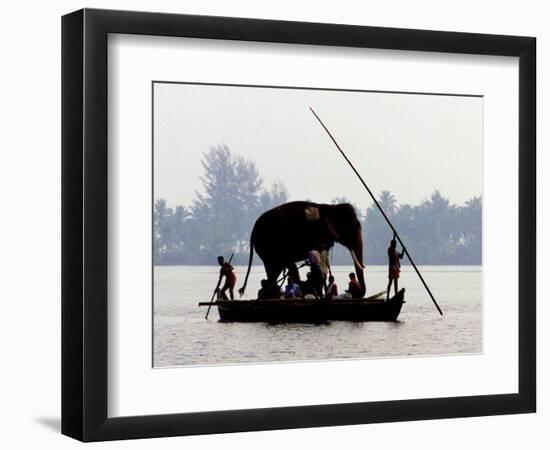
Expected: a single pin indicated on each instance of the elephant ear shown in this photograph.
(312, 213)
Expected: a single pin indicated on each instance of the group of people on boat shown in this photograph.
(306, 289)
(319, 283)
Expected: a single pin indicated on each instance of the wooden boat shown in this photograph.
(310, 311)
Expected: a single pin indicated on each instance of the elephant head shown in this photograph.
(342, 223)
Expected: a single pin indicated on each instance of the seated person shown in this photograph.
(308, 287)
(332, 290)
(292, 290)
(263, 290)
(354, 288)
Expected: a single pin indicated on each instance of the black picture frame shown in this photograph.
(84, 224)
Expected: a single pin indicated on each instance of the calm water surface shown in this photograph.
(183, 337)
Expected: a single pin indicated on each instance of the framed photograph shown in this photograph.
(273, 224)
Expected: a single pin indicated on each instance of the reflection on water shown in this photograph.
(183, 337)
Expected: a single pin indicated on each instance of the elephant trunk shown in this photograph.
(357, 256)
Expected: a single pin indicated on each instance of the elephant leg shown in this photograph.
(273, 270)
(293, 273)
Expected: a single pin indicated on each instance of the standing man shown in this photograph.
(226, 270)
(325, 267)
(314, 261)
(394, 267)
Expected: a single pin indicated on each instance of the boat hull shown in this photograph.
(310, 311)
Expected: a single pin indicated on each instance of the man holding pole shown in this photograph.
(394, 266)
(226, 270)
(396, 236)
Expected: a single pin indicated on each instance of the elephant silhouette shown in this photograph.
(285, 234)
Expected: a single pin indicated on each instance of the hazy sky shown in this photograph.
(405, 143)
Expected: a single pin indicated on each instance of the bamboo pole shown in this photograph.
(380, 209)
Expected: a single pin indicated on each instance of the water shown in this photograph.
(183, 337)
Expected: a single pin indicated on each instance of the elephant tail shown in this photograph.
(242, 289)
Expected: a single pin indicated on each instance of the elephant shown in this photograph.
(285, 234)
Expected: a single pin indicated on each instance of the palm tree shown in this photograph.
(160, 210)
(469, 227)
(178, 227)
(388, 203)
(161, 224)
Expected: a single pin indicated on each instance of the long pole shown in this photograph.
(212, 299)
(216, 290)
(380, 209)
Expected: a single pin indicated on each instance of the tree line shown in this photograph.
(220, 218)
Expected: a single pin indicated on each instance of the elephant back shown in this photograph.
(289, 229)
